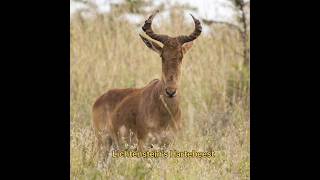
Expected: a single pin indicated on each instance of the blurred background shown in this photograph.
(106, 52)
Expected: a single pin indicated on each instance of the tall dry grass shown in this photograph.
(107, 53)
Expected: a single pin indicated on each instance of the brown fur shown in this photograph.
(120, 113)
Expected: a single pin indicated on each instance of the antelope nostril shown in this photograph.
(170, 92)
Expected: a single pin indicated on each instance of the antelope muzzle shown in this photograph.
(171, 92)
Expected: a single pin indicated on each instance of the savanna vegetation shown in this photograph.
(108, 53)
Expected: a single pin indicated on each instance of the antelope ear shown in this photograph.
(186, 47)
(152, 45)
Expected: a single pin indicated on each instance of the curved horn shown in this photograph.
(194, 34)
(148, 30)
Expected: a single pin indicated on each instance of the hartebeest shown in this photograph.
(151, 109)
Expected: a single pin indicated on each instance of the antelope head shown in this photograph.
(171, 53)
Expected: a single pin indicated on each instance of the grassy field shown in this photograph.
(107, 53)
